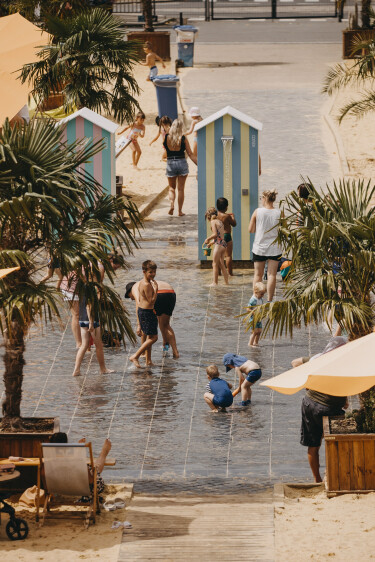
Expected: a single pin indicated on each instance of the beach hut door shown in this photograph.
(227, 141)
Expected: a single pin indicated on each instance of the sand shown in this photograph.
(60, 540)
(312, 527)
(143, 184)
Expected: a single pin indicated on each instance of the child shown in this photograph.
(136, 129)
(220, 246)
(151, 59)
(195, 115)
(164, 125)
(228, 221)
(218, 393)
(248, 372)
(148, 322)
(256, 300)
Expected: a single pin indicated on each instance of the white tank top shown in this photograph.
(266, 219)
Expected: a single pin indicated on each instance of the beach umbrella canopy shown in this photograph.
(345, 371)
(20, 41)
(5, 272)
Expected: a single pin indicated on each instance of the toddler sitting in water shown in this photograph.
(218, 393)
(256, 300)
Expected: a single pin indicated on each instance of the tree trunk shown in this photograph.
(14, 342)
(365, 14)
(147, 14)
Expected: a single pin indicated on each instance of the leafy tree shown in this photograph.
(90, 62)
(332, 241)
(48, 205)
(359, 74)
(39, 10)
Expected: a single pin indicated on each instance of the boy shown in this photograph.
(228, 221)
(148, 322)
(256, 300)
(151, 59)
(218, 393)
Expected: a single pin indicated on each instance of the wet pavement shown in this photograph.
(163, 434)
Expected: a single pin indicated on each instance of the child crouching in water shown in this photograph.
(256, 300)
(248, 372)
(220, 246)
(218, 393)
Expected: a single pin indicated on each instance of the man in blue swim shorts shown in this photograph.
(218, 394)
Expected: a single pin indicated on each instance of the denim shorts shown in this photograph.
(178, 167)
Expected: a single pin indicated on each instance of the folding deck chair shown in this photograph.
(66, 472)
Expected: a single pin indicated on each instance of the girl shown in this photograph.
(176, 144)
(264, 223)
(248, 372)
(195, 115)
(164, 126)
(220, 246)
(137, 129)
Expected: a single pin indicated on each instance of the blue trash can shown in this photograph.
(185, 43)
(166, 94)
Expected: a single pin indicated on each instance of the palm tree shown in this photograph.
(90, 62)
(147, 14)
(40, 9)
(332, 240)
(359, 74)
(48, 205)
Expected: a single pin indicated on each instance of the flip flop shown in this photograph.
(119, 503)
(109, 505)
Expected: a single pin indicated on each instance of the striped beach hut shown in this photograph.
(228, 166)
(92, 126)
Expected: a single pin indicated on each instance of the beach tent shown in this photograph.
(86, 124)
(228, 166)
(20, 41)
(345, 371)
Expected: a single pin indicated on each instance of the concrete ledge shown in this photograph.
(147, 208)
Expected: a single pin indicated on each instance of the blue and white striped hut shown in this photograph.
(228, 166)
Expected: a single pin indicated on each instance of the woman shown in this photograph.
(264, 222)
(175, 145)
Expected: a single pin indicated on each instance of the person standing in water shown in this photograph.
(228, 221)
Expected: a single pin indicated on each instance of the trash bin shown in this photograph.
(185, 43)
(166, 94)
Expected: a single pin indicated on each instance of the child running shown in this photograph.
(151, 59)
(218, 394)
(220, 246)
(196, 117)
(137, 129)
(164, 125)
(248, 372)
(148, 290)
(256, 300)
(228, 221)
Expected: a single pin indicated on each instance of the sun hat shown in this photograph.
(194, 112)
(231, 359)
(128, 288)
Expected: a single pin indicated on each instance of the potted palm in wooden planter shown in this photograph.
(51, 208)
(160, 40)
(356, 32)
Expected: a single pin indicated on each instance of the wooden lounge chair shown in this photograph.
(65, 472)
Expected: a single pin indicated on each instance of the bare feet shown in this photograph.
(106, 446)
(134, 360)
(150, 364)
(76, 373)
(214, 411)
(213, 285)
(107, 371)
(181, 214)
(171, 211)
(83, 440)
(176, 355)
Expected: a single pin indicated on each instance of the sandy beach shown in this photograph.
(312, 527)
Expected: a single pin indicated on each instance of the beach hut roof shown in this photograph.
(95, 118)
(228, 110)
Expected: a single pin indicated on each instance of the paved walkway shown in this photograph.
(225, 528)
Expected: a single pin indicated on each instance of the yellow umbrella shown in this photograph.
(345, 371)
(20, 41)
(5, 272)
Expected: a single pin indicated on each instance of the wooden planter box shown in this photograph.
(160, 41)
(350, 461)
(347, 40)
(25, 444)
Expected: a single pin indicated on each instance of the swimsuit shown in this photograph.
(219, 241)
(148, 321)
(153, 72)
(165, 302)
(133, 132)
(227, 237)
